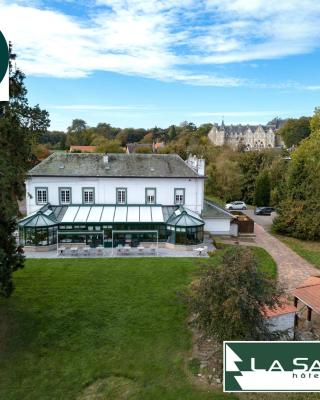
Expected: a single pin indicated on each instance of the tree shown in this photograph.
(20, 127)
(251, 163)
(294, 130)
(262, 190)
(298, 212)
(148, 138)
(77, 126)
(106, 130)
(224, 177)
(143, 149)
(204, 129)
(172, 133)
(53, 138)
(315, 120)
(228, 299)
(107, 146)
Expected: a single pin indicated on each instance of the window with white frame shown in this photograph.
(121, 196)
(65, 195)
(179, 196)
(41, 195)
(150, 195)
(88, 195)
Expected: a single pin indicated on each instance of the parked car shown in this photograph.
(236, 205)
(263, 210)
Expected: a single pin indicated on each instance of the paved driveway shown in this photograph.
(292, 269)
(263, 220)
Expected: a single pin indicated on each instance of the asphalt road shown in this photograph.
(264, 220)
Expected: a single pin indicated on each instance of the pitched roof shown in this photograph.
(50, 215)
(118, 165)
(212, 210)
(285, 308)
(241, 129)
(309, 293)
(90, 149)
(184, 217)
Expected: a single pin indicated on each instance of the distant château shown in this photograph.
(250, 137)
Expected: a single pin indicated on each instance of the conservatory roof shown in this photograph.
(184, 217)
(212, 210)
(109, 214)
(39, 219)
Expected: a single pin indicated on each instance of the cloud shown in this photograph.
(100, 107)
(173, 40)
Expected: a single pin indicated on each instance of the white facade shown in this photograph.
(105, 190)
(218, 226)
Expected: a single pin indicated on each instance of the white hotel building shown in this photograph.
(95, 199)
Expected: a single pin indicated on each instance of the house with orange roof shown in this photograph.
(83, 149)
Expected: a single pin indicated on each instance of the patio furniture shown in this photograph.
(119, 249)
(86, 251)
(126, 249)
(99, 251)
(60, 251)
(74, 251)
(140, 250)
(201, 250)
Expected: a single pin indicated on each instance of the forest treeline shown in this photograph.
(287, 178)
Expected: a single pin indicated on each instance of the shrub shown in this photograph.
(228, 299)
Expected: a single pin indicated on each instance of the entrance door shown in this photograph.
(95, 240)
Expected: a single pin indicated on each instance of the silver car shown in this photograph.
(236, 205)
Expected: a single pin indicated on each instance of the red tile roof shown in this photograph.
(309, 293)
(88, 149)
(285, 308)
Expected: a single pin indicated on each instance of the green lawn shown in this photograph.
(77, 327)
(306, 249)
(265, 261)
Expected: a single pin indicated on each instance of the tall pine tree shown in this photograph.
(20, 127)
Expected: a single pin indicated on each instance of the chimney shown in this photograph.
(201, 166)
(197, 164)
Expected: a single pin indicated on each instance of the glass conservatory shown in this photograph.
(39, 229)
(185, 227)
(110, 225)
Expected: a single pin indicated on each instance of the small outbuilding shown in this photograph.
(281, 318)
(217, 220)
(308, 293)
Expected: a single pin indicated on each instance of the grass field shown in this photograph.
(99, 329)
(306, 249)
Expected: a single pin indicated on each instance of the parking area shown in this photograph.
(264, 220)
